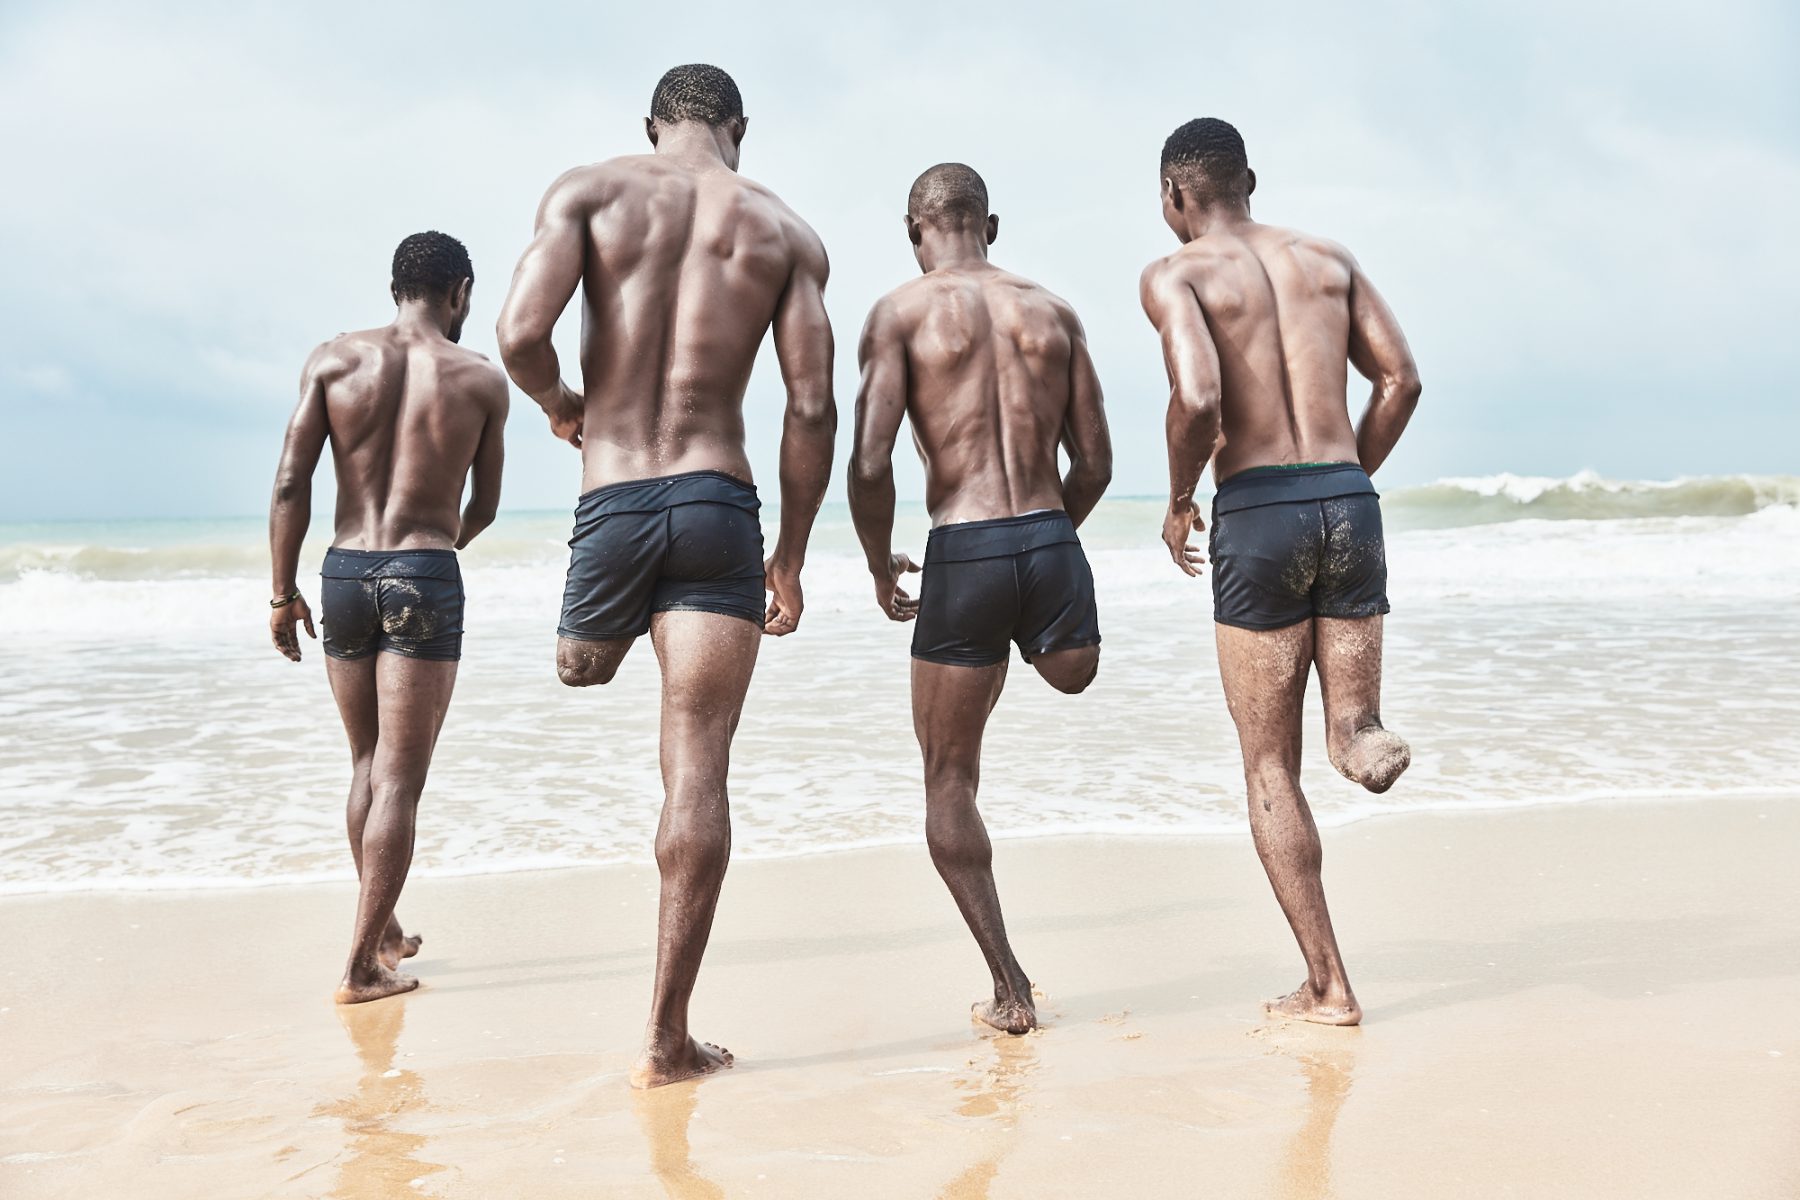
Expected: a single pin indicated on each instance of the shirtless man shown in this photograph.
(409, 415)
(1257, 324)
(683, 265)
(994, 373)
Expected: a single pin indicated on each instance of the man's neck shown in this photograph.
(952, 249)
(420, 318)
(693, 143)
(1217, 216)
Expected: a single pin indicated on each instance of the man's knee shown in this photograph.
(955, 835)
(692, 839)
(581, 665)
(1271, 773)
(397, 787)
(951, 770)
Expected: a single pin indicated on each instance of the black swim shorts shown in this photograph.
(1018, 579)
(406, 602)
(679, 543)
(1292, 543)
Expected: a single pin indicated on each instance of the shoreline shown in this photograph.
(340, 877)
(1555, 1002)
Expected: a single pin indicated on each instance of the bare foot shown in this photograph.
(383, 981)
(1304, 1004)
(393, 950)
(1008, 1016)
(1375, 758)
(655, 1068)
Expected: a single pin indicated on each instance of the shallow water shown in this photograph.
(154, 739)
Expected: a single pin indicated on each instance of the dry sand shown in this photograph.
(1582, 1001)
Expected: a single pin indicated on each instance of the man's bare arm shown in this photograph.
(880, 406)
(1085, 435)
(1192, 425)
(290, 507)
(804, 347)
(547, 275)
(1379, 352)
(490, 460)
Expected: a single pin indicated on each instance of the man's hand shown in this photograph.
(786, 601)
(1178, 525)
(281, 627)
(889, 596)
(567, 414)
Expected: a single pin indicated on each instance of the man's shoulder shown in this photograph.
(593, 184)
(1306, 243)
(801, 236)
(1164, 278)
(1033, 290)
(907, 303)
(471, 372)
(897, 310)
(339, 355)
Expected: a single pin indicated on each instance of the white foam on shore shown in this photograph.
(154, 740)
(1236, 829)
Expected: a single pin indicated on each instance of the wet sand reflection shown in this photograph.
(383, 1161)
(996, 1093)
(664, 1114)
(1306, 1166)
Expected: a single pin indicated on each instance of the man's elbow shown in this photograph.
(1095, 470)
(812, 410)
(290, 488)
(519, 338)
(868, 472)
(1404, 388)
(1197, 406)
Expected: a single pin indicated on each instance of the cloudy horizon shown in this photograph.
(1580, 214)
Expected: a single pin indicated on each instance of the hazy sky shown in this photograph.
(1582, 213)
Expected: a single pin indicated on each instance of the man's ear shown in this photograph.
(993, 227)
(459, 295)
(915, 233)
(1172, 193)
(650, 129)
(1251, 189)
(739, 126)
(394, 291)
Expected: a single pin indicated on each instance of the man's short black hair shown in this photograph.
(696, 92)
(949, 192)
(428, 265)
(1208, 154)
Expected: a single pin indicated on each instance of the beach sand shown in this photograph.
(1579, 1001)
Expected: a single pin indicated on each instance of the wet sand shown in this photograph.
(1584, 1001)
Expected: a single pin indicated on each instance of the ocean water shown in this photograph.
(1552, 641)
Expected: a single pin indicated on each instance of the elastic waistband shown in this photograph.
(607, 489)
(390, 564)
(666, 491)
(997, 537)
(1259, 486)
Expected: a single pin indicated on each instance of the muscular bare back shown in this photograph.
(1285, 314)
(994, 374)
(406, 414)
(683, 265)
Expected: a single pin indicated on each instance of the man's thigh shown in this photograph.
(707, 659)
(951, 705)
(1264, 676)
(1348, 651)
(353, 687)
(413, 695)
